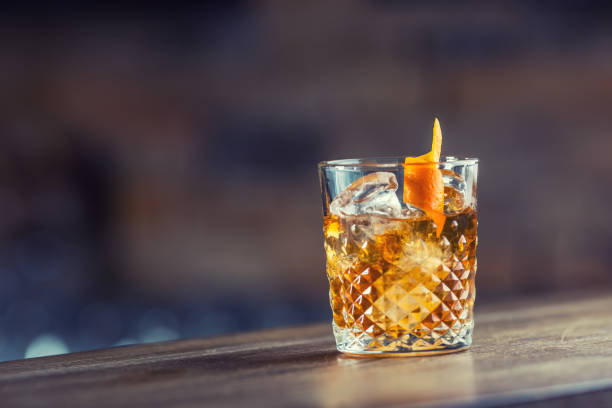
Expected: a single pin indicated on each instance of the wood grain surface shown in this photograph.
(537, 352)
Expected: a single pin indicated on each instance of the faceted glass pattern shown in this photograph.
(402, 290)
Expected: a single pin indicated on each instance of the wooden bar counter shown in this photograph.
(543, 351)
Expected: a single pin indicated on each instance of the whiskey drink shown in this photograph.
(399, 282)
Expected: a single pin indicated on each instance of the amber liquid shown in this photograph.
(393, 281)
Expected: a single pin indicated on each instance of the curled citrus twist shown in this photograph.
(423, 183)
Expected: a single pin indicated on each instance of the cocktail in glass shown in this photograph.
(401, 277)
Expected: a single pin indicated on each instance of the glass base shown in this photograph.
(388, 354)
(364, 345)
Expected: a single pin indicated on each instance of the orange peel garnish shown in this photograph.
(423, 183)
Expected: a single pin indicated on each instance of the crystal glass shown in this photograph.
(399, 285)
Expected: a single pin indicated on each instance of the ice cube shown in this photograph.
(373, 193)
(454, 192)
(420, 254)
(410, 211)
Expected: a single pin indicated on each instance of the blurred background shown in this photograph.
(158, 167)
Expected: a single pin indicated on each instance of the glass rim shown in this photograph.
(392, 162)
